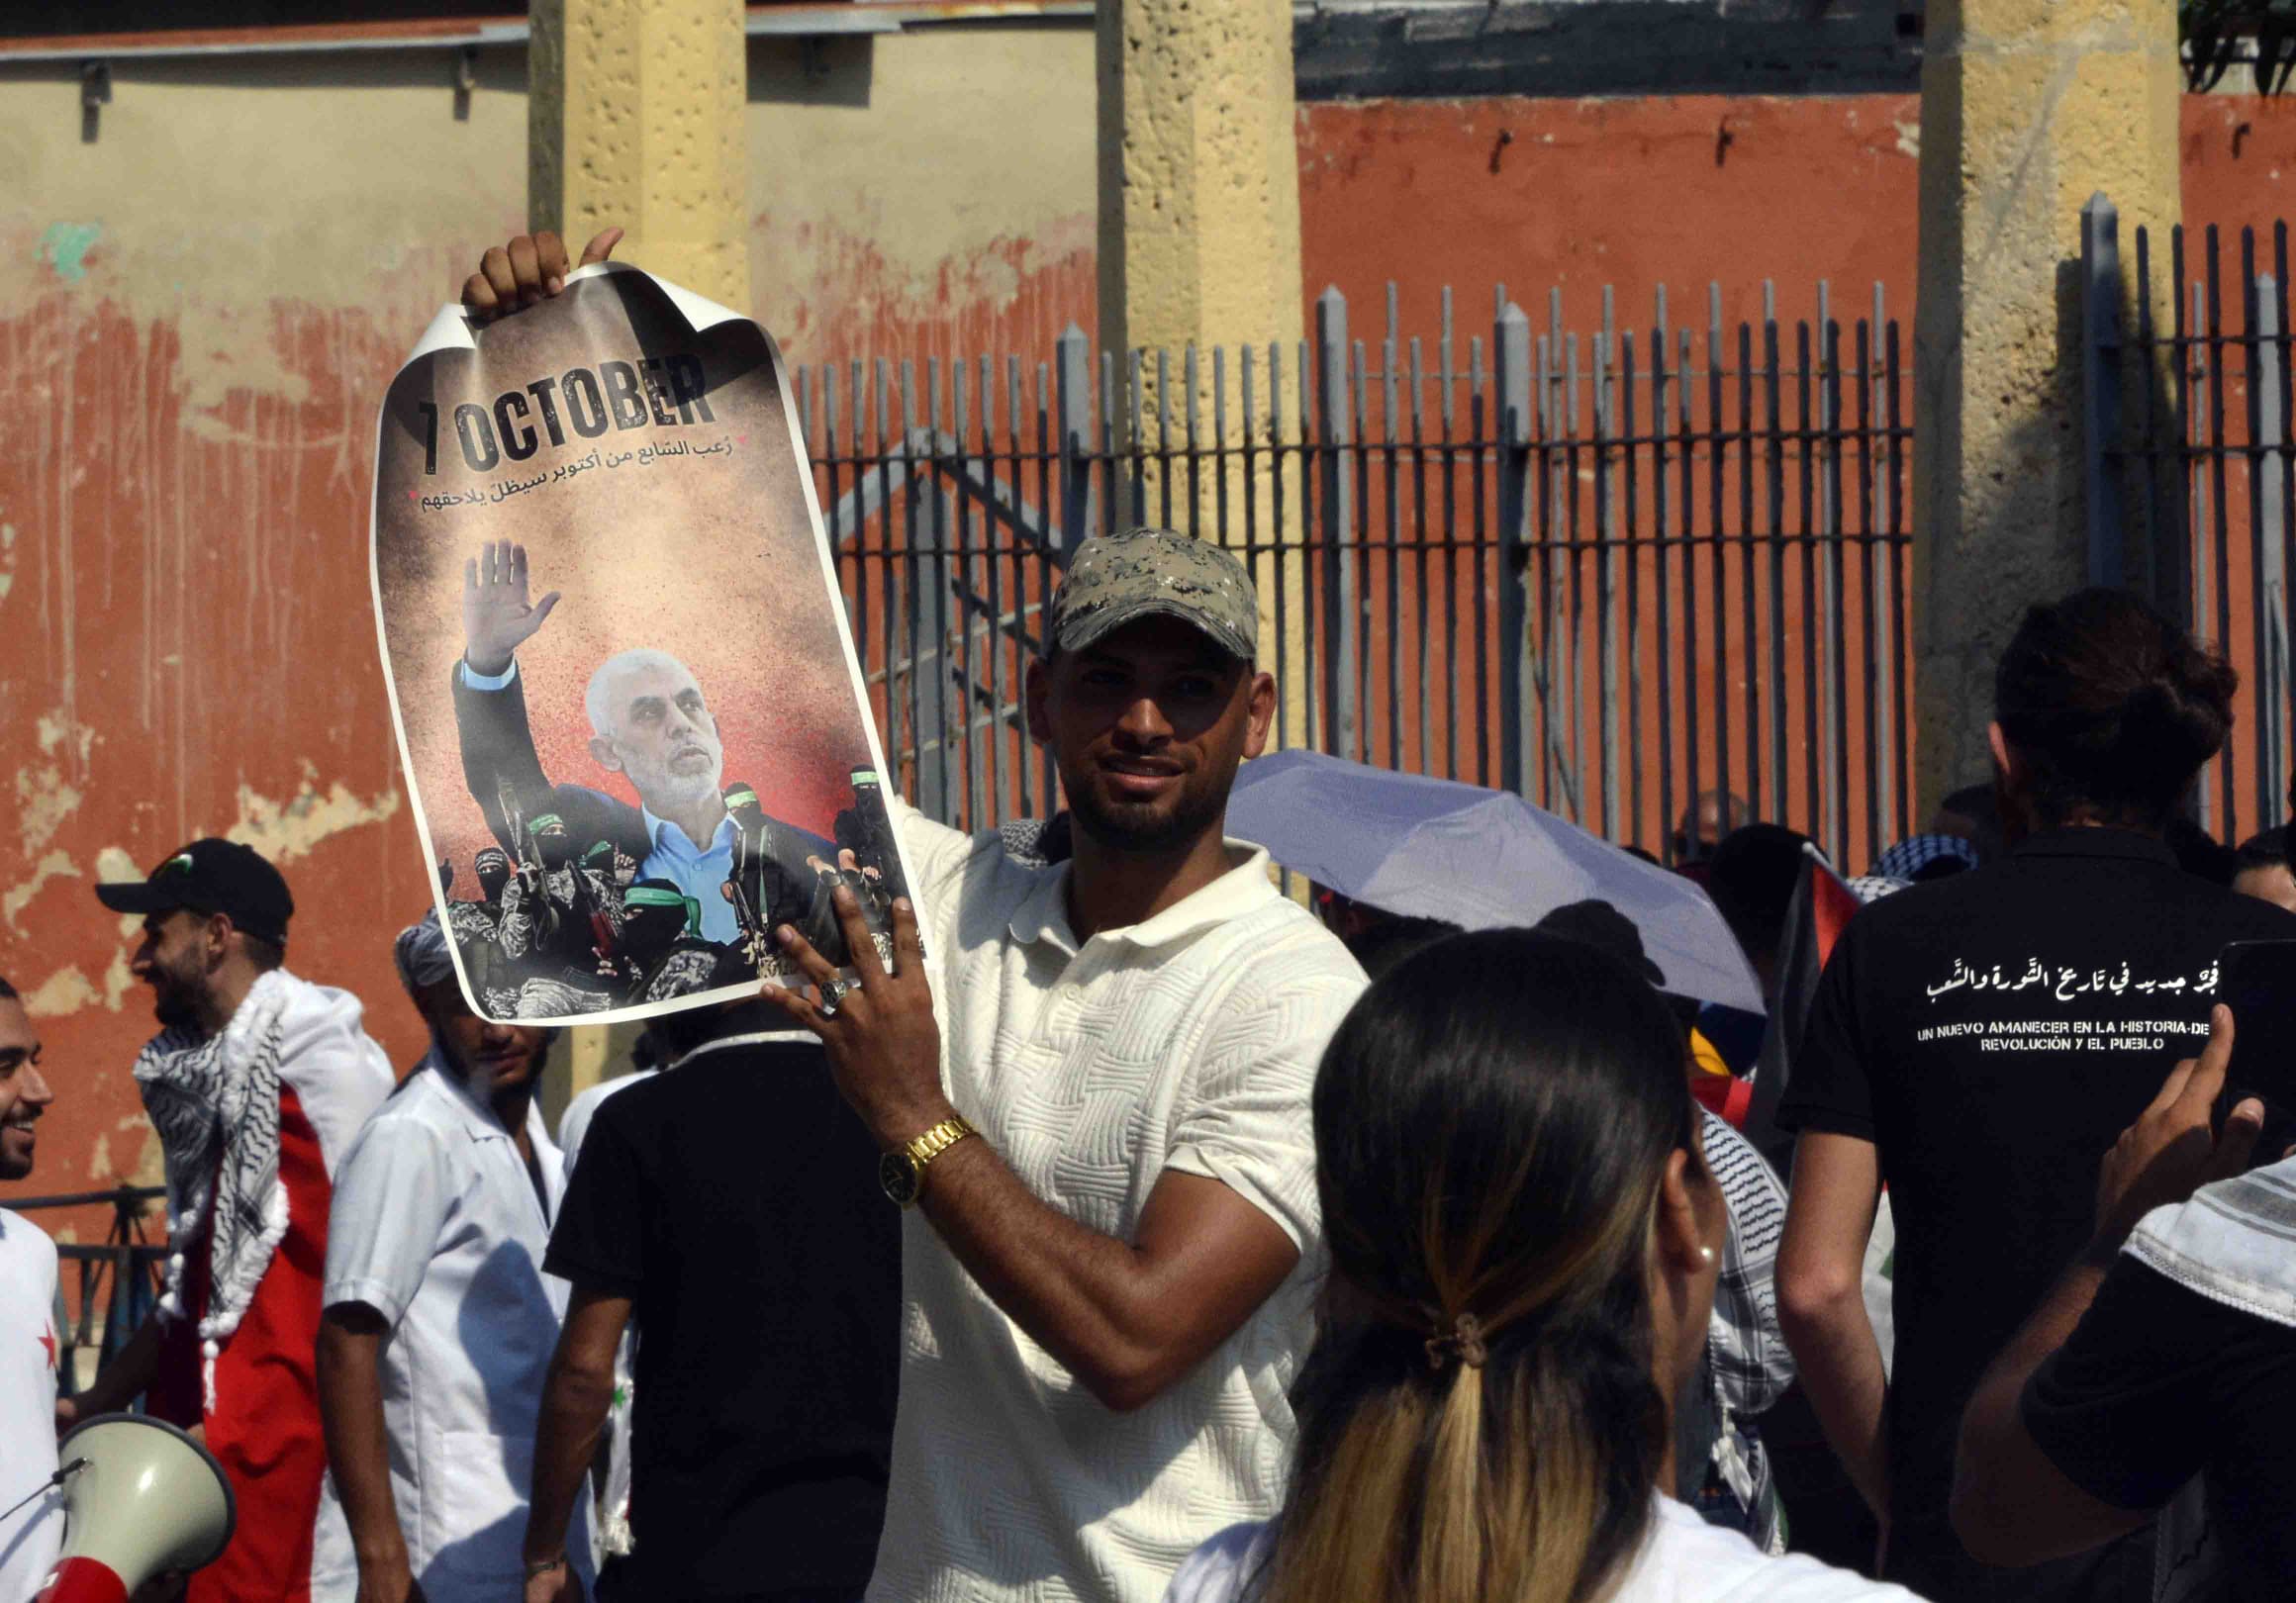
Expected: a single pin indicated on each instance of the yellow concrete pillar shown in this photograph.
(1200, 173)
(2028, 107)
(637, 115)
(1200, 244)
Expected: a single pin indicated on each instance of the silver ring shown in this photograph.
(833, 992)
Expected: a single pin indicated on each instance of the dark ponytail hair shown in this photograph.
(1479, 1419)
(2111, 706)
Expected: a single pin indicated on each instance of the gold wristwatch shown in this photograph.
(902, 1171)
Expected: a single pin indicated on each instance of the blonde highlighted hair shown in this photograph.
(1479, 1422)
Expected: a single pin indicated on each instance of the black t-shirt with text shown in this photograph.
(1992, 1034)
(2160, 1383)
(735, 1201)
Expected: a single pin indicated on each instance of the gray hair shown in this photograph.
(598, 699)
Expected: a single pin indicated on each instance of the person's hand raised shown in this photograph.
(2172, 1150)
(528, 270)
(497, 618)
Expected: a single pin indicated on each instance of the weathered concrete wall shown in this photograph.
(198, 313)
(635, 120)
(199, 308)
(1198, 175)
(927, 195)
(1577, 194)
(2029, 109)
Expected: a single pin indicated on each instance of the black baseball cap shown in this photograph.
(211, 876)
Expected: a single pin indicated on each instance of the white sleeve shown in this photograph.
(1796, 1577)
(1243, 1119)
(936, 852)
(1218, 1571)
(391, 1198)
(474, 679)
(574, 1124)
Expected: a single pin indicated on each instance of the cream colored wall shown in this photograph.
(635, 123)
(942, 173)
(924, 191)
(216, 188)
(199, 310)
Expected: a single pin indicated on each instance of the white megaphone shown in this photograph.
(141, 1499)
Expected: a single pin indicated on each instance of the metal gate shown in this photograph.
(1608, 567)
(2200, 469)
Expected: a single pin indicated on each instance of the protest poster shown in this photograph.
(630, 716)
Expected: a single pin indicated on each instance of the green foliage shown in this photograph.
(2219, 34)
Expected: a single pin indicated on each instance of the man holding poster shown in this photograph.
(1099, 1123)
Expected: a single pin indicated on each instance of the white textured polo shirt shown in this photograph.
(1188, 1042)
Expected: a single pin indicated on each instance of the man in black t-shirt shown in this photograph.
(2149, 1364)
(729, 1206)
(1976, 1042)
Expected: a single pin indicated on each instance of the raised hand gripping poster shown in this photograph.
(630, 718)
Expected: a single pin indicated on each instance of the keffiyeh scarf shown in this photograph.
(215, 1102)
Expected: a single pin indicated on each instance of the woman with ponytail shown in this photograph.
(1523, 1236)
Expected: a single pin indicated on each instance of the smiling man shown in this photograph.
(438, 1320)
(1104, 1137)
(257, 1083)
(649, 722)
(31, 1521)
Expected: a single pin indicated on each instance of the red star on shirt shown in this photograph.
(48, 1341)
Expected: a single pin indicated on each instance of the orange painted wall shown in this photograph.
(185, 637)
(1577, 194)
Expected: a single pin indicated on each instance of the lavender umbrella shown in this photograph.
(1482, 859)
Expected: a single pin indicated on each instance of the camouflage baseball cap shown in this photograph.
(1113, 579)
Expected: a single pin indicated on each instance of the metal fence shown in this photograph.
(1609, 568)
(2190, 449)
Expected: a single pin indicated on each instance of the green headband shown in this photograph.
(649, 897)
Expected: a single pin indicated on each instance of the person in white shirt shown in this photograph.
(574, 1123)
(1108, 1267)
(438, 1321)
(1109, 1280)
(31, 1517)
(1525, 1236)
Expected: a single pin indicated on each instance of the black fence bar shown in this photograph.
(1608, 567)
(2209, 445)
